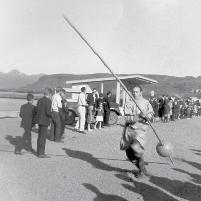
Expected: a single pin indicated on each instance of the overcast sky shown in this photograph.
(133, 36)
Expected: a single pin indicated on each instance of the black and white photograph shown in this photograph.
(100, 100)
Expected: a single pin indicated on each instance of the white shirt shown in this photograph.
(56, 102)
(131, 108)
(82, 99)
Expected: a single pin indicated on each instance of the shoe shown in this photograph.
(142, 174)
(89, 130)
(43, 156)
(139, 175)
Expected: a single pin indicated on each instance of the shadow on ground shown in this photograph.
(148, 192)
(95, 162)
(19, 144)
(194, 164)
(194, 177)
(185, 190)
(198, 152)
(102, 196)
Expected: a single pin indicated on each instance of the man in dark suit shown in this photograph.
(43, 117)
(27, 113)
(106, 107)
(91, 100)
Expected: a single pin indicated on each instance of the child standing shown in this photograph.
(27, 113)
(99, 116)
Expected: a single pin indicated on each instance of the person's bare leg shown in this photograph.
(95, 125)
(89, 127)
(99, 124)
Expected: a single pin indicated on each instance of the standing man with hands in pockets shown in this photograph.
(43, 117)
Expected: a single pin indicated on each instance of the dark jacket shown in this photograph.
(90, 99)
(27, 113)
(107, 103)
(98, 101)
(43, 111)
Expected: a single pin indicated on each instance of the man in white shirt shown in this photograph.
(56, 117)
(81, 108)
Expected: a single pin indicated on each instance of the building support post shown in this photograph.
(102, 86)
(118, 93)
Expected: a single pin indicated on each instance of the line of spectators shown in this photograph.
(173, 108)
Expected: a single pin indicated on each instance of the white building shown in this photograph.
(109, 84)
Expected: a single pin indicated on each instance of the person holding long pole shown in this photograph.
(163, 149)
(134, 134)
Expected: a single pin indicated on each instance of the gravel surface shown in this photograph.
(90, 167)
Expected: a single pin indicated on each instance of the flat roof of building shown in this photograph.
(138, 79)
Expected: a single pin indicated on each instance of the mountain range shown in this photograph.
(170, 85)
(14, 79)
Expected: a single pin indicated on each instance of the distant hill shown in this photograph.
(58, 80)
(169, 85)
(15, 79)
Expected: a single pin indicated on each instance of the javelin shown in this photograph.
(105, 64)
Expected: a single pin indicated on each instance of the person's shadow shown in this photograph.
(192, 163)
(183, 189)
(148, 192)
(95, 162)
(102, 196)
(196, 151)
(19, 144)
(194, 177)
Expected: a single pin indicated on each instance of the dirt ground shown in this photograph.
(91, 167)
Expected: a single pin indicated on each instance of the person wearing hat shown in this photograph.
(134, 134)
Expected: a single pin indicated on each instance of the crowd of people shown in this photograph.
(173, 108)
(93, 110)
(51, 110)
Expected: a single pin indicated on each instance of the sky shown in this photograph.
(132, 36)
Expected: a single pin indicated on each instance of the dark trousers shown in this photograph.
(24, 142)
(55, 131)
(106, 116)
(138, 161)
(42, 135)
(27, 138)
(63, 124)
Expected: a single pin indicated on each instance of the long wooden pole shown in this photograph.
(107, 66)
